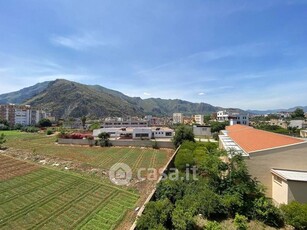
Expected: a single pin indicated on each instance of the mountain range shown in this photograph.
(65, 98)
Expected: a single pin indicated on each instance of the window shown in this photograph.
(277, 179)
(168, 134)
(141, 135)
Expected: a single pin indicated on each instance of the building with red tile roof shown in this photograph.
(254, 140)
(265, 151)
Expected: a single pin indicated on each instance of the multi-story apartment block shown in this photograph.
(233, 118)
(199, 119)
(177, 118)
(21, 114)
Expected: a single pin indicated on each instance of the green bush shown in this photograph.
(295, 214)
(49, 132)
(30, 129)
(155, 145)
(212, 225)
(240, 222)
(266, 212)
(2, 140)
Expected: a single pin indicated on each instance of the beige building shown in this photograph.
(265, 151)
(303, 133)
(199, 119)
(279, 122)
(289, 185)
(177, 118)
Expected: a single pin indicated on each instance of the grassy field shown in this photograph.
(104, 158)
(33, 197)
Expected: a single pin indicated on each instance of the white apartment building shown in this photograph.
(21, 114)
(199, 119)
(177, 118)
(233, 118)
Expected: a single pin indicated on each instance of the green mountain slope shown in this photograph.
(21, 96)
(70, 99)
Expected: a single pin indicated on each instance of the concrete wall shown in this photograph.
(142, 143)
(260, 163)
(297, 191)
(76, 141)
(279, 190)
(202, 130)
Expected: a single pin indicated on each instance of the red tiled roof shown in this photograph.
(251, 140)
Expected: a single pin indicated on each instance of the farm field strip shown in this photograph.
(49, 199)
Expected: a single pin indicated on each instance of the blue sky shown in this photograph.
(247, 54)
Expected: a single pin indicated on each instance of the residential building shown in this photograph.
(289, 185)
(233, 117)
(136, 132)
(299, 124)
(303, 133)
(279, 122)
(222, 116)
(202, 130)
(125, 123)
(199, 119)
(265, 151)
(177, 118)
(21, 114)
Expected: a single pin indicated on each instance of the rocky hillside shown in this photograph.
(70, 99)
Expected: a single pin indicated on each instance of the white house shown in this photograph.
(233, 118)
(136, 132)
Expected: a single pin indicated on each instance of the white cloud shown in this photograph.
(146, 94)
(78, 42)
(200, 94)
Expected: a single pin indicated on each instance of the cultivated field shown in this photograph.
(103, 158)
(33, 197)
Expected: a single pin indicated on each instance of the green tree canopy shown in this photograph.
(298, 114)
(184, 157)
(217, 126)
(44, 123)
(183, 133)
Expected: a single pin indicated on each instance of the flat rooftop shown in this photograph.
(254, 140)
(293, 175)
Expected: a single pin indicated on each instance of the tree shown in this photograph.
(83, 120)
(104, 139)
(217, 126)
(207, 118)
(298, 114)
(157, 215)
(2, 140)
(183, 133)
(95, 125)
(44, 123)
(184, 158)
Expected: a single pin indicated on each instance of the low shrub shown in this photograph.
(266, 212)
(295, 214)
(49, 132)
(213, 225)
(241, 222)
(29, 129)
